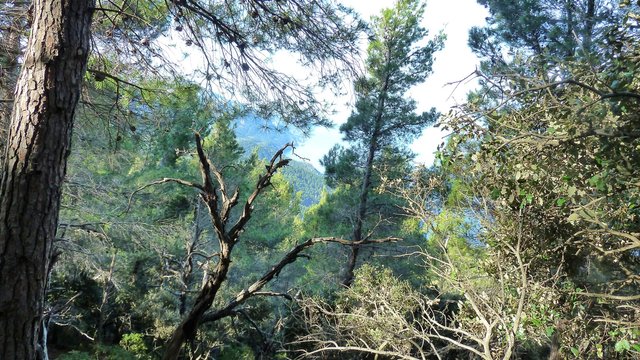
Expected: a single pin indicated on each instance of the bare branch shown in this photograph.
(287, 259)
(158, 182)
(608, 296)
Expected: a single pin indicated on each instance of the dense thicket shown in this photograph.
(549, 140)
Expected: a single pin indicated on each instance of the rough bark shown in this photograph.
(38, 143)
(9, 67)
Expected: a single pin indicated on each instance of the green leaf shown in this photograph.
(598, 182)
(495, 193)
(561, 201)
(575, 352)
(550, 330)
(529, 198)
(622, 345)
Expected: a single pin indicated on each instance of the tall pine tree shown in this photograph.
(399, 57)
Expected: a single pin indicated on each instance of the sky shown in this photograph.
(451, 64)
(454, 63)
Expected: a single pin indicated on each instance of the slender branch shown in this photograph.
(98, 74)
(608, 296)
(287, 259)
(158, 182)
(274, 294)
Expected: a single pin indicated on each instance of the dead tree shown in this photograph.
(219, 203)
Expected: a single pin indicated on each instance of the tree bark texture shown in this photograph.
(46, 96)
(9, 67)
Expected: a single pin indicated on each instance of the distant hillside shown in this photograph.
(267, 137)
(255, 133)
(306, 179)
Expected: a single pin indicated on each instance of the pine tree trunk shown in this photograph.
(9, 67)
(362, 212)
(46, 96)
(366, 183)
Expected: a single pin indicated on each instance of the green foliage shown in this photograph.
(222, 143)
(306, 180)
(101, 352)
(547, 166)
(342, 166)
(76, 355)
(241, 352)
(134, 343)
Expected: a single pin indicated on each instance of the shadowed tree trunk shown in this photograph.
(11, 32)
(360, 216)
(46, 96)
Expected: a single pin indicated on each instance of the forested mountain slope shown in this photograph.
(266, 138)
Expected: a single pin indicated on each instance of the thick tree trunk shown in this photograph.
(46, 96)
